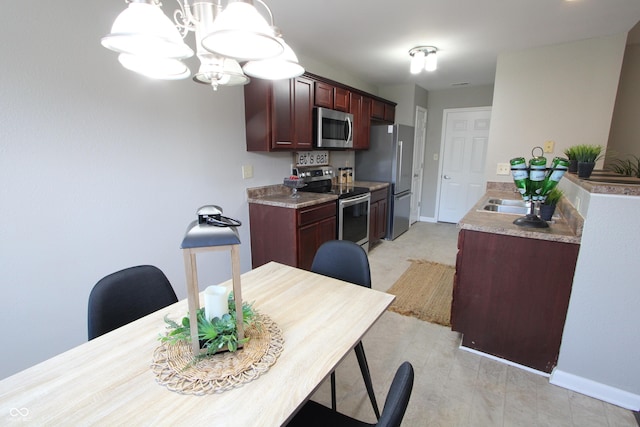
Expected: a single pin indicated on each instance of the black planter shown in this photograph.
(573, 166)
(585, 169)
(546, 211)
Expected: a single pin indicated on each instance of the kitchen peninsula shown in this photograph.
(512, 284)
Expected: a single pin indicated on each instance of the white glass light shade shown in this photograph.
(226, 72)
(143, 29)
(155, 67)
(240, 32)
(283, 66)
(431, 61)
(417, 62)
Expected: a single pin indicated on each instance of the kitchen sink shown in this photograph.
(506, 206)
(507, 202)
(509, 209)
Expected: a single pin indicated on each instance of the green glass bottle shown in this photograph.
(520, 176)
(537, 173)
(559, 165)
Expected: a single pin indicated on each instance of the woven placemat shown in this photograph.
(175, 367)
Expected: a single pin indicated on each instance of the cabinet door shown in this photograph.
(373, 223)
(283, 114)
(341, 99)
(310, 238)
(511, 296)
(377, 109)
(360, 107)
(323, 96)
(382, 219)
(303, 113)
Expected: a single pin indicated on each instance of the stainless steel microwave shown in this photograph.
(332, 129)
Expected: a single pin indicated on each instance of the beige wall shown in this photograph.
(439, 100)
(563, 93)
(624, 138)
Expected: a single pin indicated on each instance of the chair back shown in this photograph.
(125, 296)
(398, 398)
(343, 260)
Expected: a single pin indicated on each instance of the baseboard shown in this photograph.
(427, 219)
(505, 361)
(595, 389)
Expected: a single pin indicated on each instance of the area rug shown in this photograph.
(425, 291)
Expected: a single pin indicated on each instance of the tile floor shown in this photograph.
(452, 387)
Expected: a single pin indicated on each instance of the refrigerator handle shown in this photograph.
(399, 160)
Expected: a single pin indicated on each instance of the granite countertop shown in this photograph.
(603, 182)
(567, 228)
(279, 195)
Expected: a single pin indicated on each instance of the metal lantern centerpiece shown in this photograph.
(211, 232)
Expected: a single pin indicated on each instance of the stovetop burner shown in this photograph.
(319, 180)
(342, 191)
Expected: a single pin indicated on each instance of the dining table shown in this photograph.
(109, 380)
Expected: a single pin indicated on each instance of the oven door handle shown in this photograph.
(354, 200)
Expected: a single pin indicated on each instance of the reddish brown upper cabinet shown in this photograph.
(290, 236)
(360, 107)
(383, 111)
(330, 96)
(279, 114)
(510, 296)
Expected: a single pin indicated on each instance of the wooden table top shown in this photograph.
(109, 381)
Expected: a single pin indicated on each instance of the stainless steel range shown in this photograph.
(352, 207)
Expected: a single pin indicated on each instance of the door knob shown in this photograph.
(446, 177)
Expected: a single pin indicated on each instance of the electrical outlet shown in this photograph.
(503, 169)
(247, 171)
(548, 146)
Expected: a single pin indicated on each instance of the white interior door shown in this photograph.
(463, 152)
(418, 163)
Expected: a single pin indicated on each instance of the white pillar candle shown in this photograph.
(216, 301)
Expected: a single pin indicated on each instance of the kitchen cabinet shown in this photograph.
(383, 111)
(378, 215)
(330, 96)
(360, 107)
(290, 236)
(279, 114)
(511, 294)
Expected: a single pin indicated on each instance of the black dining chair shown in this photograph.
(314, 414)
(125, 296)
(345, 260)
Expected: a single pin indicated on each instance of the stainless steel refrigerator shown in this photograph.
(390, 159)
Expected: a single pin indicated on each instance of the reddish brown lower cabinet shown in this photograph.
(511, 294)
(378, 216)
(290, 236)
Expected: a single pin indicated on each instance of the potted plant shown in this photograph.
(627, 167)
(571, 156)
(213, 334)
(548, 207)
(587, 155)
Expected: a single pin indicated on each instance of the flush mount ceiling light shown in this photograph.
(151, 44)
(423, 57)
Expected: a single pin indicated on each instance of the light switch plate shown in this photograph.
(247, 171)
(503, 169)
(548, 146)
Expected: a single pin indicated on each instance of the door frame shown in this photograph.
(445, 115)
(418, 154)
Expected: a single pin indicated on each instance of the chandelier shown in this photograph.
(423, 58)
(149, 43)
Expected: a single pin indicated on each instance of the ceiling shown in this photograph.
(371, 38)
